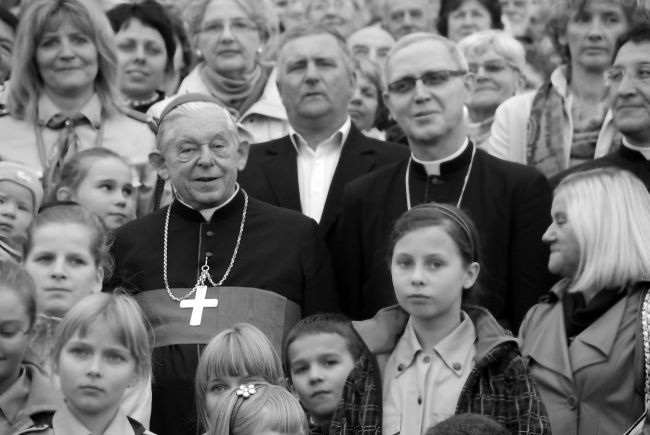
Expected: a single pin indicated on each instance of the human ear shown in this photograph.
(471, 274)
(99, 279)
(242, 154)
(469, 83)
(159, 164)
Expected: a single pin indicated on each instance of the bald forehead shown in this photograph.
(371, 36)
(199, 125)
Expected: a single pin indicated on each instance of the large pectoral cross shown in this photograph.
(198, 303)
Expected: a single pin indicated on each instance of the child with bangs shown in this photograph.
(237, 355)
(102, 348)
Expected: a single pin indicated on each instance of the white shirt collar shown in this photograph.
(207, 213)
(432, 167)
(341, 134)
(645, 151)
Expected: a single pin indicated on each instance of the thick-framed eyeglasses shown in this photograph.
(237, 26)
(429, 79)
(490, 66)
(638, 73)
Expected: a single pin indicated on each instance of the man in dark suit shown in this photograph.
(308, 169)
(428, 84)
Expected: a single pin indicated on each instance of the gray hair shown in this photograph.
(501, 42)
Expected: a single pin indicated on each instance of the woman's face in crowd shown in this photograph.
(67, 61)
(142, 60)
(290, 12)
(62, 265)
(592, 33)
(470, 17)
(7, 36)
(562, 241)
(364, 103)
(228, 39)
(496, 79)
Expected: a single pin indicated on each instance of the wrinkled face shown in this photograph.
(201, 156)
(218, 386)
(14, 336)
(371, 43)
(429, 274)
(631, 94)
(7, 37)
(16, 210)
(408, 16)
(470, 17)
(364, 103)
(63, 266)
(562, 241)
(319, 365)
(95, 370)
(66, 60)
(591, 34)
(427, 113)
(496, 79)
(313, 80)
(340, 14)
(228, 38)
(290, 12)
(108, 191)
(142, 58)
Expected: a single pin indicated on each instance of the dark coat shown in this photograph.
(271, 173)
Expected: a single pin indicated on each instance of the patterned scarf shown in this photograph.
(544, 138)
(239, 93)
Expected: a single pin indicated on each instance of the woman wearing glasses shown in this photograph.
(230, 36)
(497, 61)
(563, 123)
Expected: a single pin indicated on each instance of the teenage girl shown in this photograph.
(258, 409)
(441, 356)
(101, 348)
(102, 181)
(26, 391)
(237, 355)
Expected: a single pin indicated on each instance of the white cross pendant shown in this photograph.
(198, 303)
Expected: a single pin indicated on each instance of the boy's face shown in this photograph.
(319, 365)
(16, 210)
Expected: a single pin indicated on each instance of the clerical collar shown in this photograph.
(341, 134)
(644, 151)
(432, 167)
(207, 213)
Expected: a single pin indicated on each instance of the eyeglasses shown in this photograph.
(429, 79)
(639, 74)
(237, 26)
(490, 67)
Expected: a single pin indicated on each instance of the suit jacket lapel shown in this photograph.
(282, 173)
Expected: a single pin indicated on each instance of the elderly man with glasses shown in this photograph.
(428, 85)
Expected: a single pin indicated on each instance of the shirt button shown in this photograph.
(209, 233)
(419, 400)
(208, 254)
(435, 180)
(572, 402)
(426, 359)
(400, 367)
(456, 366)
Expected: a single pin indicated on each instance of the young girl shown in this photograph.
(26, 392)
(258, 409)
(102, 181)
(241, 354)
(101, 349)
(440, 356)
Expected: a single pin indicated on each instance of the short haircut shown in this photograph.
(237, 351)
(75, 170)
(14, 277)
(8, 18)
(42, 16)
(468, 424)
(150, 13)
(609, 210)
(124, 319)
(447, 7)
(637, 34)
(504, 44)
(70, 213)
(271, 407)
(324, 323)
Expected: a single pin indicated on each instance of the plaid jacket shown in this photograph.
(499, 386)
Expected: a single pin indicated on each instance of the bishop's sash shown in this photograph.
(274, 314)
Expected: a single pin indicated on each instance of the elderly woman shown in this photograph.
(563, 123)
(366, 108)
(145, 51)
(62, 95)
(497, 61)
(231, 36)
(460, 18)
(583, 343)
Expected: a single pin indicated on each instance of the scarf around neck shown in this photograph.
(239, 93)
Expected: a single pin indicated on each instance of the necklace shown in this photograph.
(205, 269)
(462, 191)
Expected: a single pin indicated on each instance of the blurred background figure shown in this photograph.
(372, 43)
(8, 24)
(460, 18)
(468, 424)
(514, 14)
(366, 108)
(497, 60)
(402, 17)
(145, 51)
(346, 16)
(290, 13)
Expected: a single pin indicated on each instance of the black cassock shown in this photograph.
(280, 252)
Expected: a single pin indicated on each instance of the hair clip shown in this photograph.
(246, 391)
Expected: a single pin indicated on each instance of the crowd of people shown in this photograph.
(324, 217)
